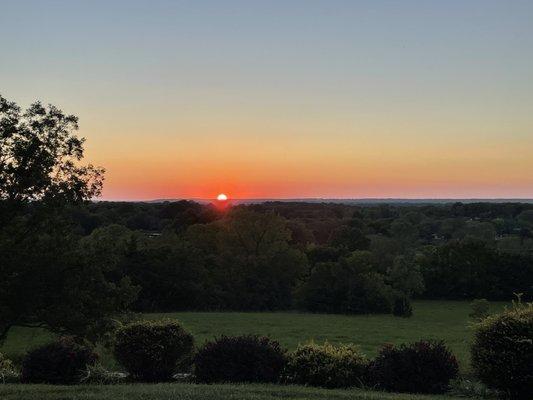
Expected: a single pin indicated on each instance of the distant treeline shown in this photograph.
(81, 259)
(319, 257)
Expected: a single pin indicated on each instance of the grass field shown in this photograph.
(182, 391)
(447, 320)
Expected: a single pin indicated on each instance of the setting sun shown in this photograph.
(222, 197)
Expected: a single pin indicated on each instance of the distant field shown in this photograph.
(182, 391)
(447, 320)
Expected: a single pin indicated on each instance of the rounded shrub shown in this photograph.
(247, 358)
(153, 351)
(402, 307)
(421, 367)
(61, 362)
(326, 365)
(502, 351)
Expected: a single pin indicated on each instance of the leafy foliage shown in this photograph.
(466, 269)
(172, 276)
(251, 264)
(348, 286)
(421, 367)
(350, 237)
(59, 362)
(44, 261)
(405, 276)
(74, 281)
(502, 351)
(40, 154)
(153, 351)
(326, 365)
(245, 358)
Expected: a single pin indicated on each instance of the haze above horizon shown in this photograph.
(301, 99)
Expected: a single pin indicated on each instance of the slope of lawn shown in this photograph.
(181, 391)
(446, 320)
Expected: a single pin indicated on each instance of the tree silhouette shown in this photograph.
(40, 156)
(48, 276)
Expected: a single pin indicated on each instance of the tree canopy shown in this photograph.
(40, 156)
(49, 276)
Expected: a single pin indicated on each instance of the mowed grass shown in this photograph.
(445, 320)
(180, 391)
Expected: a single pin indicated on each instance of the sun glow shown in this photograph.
(222, 197)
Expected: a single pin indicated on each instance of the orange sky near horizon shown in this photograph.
(316, 160)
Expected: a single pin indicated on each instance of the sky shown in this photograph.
(285, 99)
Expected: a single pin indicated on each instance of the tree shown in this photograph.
(257, 267)
(171, 274)
(249, 260)
(471, 269)
(405, 232)
(53, 279)
(350, 238)
(40, 156)
(349, 286)
(526, 218)
(406, 277)
(48, 277)
(251, 233)
(484, 231)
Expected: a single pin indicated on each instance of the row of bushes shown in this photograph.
(421, 367)
(502, 356)
(156, 351)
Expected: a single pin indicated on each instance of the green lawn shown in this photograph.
(447, 320)
(180, 391)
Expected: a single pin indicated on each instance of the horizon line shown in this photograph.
(300, 199)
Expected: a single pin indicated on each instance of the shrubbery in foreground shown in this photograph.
(502, 352)
(326, 366)
(59, 362)
(421, 367)
(8, 374)
(152, 351)
(245, 358)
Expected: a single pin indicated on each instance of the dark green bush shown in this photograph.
(402, 306)
(59, 362)
(421, 367)
(153, 351)
(326, 366)
(502, 351)
(245, 358)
